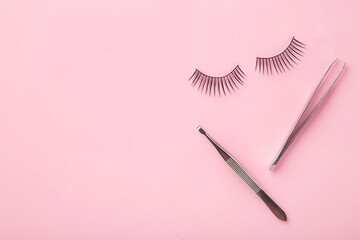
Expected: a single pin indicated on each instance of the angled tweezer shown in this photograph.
(303, 119)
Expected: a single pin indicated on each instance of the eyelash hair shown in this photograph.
(282, 61)
(224, 84)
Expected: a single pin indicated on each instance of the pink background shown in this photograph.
(98, 122)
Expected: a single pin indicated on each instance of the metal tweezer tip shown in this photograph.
(272, 167)
(201, 130)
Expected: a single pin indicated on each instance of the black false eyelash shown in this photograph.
(283, 60)
(218, 84)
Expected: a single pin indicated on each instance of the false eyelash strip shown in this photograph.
(282, 61)
(223, 84)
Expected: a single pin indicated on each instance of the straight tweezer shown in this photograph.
(300, 124)
(245, 177)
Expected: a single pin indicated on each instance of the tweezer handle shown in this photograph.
(277, 211)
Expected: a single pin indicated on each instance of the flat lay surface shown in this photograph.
(98, 120)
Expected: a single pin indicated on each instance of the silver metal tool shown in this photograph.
(244, 175)
(300, 124)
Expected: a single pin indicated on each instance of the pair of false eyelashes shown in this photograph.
(229, 83)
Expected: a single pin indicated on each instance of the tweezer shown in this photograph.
(300, 124)
(244, 175)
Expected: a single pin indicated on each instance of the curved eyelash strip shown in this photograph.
(223, 84)
(282, 61)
